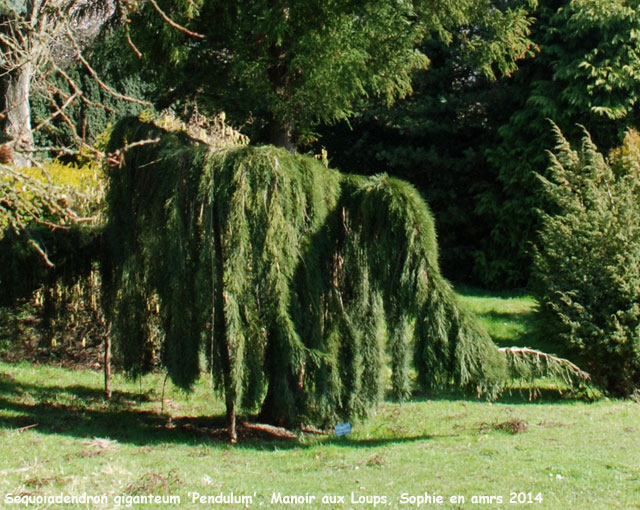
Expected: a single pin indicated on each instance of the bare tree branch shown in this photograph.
(173, 23)
(95, 76)
(130, 43)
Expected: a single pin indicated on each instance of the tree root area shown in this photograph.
(246, 431)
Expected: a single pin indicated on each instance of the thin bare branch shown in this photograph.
(81, 94)
(40, 167)
(117, 158)
(56, 113)
(130, 42)
(173, 23)
(95, 76)
(42, 253)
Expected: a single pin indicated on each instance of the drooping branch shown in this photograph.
(530, 363)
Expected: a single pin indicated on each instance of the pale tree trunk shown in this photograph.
(18, 112)
(18, 77)
(107, 365)
(34, 38)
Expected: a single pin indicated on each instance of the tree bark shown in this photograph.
(107, 366)
(18, 75)
(281, 132)
(30, 32)
(18, 112)
(282, 135)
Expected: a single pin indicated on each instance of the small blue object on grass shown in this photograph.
(343, 430)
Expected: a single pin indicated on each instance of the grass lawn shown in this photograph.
(508, 316)
(58, 437)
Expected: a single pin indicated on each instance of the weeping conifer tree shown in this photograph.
(298, 282)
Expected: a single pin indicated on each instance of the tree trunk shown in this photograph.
(18, 75)
(221, 329)
(269, 412)
(274, 409)
(282, 135)
(281, 132)
(107, 366)
(18, 112)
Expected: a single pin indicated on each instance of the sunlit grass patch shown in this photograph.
(58, 435)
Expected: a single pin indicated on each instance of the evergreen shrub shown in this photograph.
(587, 260)
(53, 193)
(298, 282)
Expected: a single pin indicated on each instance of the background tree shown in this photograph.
(586, 72)
(473, 145)
(436, 139)
(286, 66)
(39, 41)
(587, 259)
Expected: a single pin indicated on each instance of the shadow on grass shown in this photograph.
(533, 335)
(525, 395)
(340, 442)
(469, 291)
(81, 412)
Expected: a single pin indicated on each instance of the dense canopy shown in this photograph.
(296, 280)
(287, 66)
(301, 285)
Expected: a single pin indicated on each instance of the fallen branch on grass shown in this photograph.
(278, 432)
(22, 429)
(313, 430)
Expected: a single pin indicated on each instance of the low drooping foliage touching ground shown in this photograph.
(587, 263)
(511, 318)
(297, 281)
(58, 435)
(289, 274)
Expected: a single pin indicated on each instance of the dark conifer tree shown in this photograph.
(294, 278)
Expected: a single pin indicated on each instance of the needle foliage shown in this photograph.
(587, 259)
(299, 283)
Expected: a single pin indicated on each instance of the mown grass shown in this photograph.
(58, 435)
(509, 317)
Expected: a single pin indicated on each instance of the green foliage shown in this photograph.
(585, 72)
(287, 66)
(293, 278)
(55, 194)
(49, 242)
(436, 139)
(587, 261)
(604, 78)
(92, 115)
